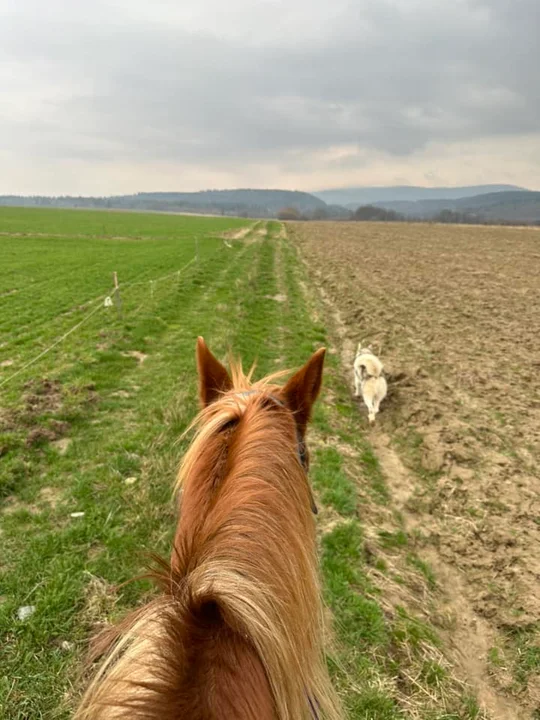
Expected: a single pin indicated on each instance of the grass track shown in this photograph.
(123, 419)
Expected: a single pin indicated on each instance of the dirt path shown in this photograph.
(471, 637)
(458, 438)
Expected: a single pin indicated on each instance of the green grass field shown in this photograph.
(92, 428)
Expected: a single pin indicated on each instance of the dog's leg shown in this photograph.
(357, 385)
(371, 411)
(381, 394)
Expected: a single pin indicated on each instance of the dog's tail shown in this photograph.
(374, 367)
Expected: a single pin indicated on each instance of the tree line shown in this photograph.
(372, 213)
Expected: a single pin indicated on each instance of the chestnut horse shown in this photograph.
(237, 631)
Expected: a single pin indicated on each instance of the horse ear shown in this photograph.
(213, 377)
(303, 388)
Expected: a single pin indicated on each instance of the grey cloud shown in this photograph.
(386, 76)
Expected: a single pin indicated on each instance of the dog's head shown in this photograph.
(364, 349)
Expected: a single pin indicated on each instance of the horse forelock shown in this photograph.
(246, 398)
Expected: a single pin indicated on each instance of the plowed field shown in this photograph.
(454, 313)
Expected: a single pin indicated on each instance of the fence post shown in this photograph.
(117, 298)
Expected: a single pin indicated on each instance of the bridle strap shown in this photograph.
(314, 707)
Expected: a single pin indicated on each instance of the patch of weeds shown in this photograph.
(374, 705)
(527, 656)
(432, 673)
(495, 657)
(411, 632)
(345, 409)
(424, 568)
(335, 487)
(391, 540)
(359, 617)
(45, 414)
(126, 463)
(321, 420)
(471, 709)
(15, 471)
(373, 472)
(520, 654)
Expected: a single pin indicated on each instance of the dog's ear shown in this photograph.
(213, 377)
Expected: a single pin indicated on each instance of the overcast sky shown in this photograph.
(115, 96)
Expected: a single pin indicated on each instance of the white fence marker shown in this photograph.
(117, 298)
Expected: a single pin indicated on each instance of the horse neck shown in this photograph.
(225, 679)
(246, 526)
(247, 486)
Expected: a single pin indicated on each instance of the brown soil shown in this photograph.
(41, 401)
(42, 395)
(453, 313)
(136, 355)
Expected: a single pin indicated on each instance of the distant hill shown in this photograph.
(249, 203)
(353, 197)
(509, 206)
(515, 206)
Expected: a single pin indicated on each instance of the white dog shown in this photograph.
(369, 381)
